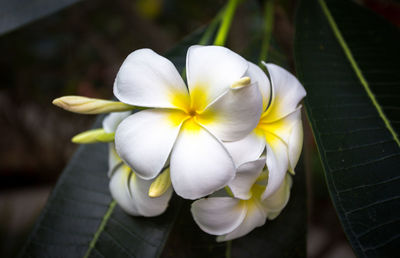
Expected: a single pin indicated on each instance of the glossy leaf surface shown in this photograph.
(347, 59)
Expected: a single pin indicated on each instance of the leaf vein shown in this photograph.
(356, 69)
(369, 185)
(372, 204)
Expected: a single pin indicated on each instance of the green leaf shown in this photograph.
(14, 14)
(80, 218)
(348, 60)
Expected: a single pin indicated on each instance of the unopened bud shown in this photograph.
(161, 184)
(93, 136)
(84, 105)
(245, 81)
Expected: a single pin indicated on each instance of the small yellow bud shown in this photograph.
(93, 136)
(229, 191)
(84, 105)
(161, 184)
(245, 81)
(263, 176)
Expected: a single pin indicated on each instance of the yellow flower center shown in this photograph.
(192, 113)
(190, 108)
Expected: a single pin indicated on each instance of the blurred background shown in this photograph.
(77, 51)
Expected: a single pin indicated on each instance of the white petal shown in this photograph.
(283, 127)
(119, 188)
(255, 217)
(213, 69)
(277, 163)
(218, 216)
(199, 164)
(246, 176)
(235, 114)
(148, 79)
(131, 194)
(148, 206)
(257, 75)
(247, 149)
(276, 202)
(287, 92)
(144, 140)
(114, 161)
(295, 144)
(290, 130)
(111, 121)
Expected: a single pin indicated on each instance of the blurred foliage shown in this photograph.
(78, 51)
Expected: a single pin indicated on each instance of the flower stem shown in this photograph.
(267, 31)
(205, 39)
(228, 249)
(226, 22)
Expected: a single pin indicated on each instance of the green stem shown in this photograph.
(228, 249)
(226, 22)
(267, 30)
(205, 39)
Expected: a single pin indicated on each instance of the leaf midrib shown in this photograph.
(357, 69)
(100, 229)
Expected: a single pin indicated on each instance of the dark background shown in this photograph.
(78, 51)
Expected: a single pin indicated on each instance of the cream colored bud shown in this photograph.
(84, 105)
(244, 81)
(93, 136)
(161, 184)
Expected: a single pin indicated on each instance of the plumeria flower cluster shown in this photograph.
(229, 139)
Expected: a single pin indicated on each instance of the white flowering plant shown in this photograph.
(232, 130)
(228, 138)
(218, 140)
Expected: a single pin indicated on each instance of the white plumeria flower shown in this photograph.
(186, 125)
(130, 191)
(279, 130)
(233, 217)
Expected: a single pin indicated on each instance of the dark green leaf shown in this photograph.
(80, 211)
(353, 104)
(14, 14)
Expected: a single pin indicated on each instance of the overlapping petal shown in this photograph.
(111, 121)
(148, 79)
(295, 144)
(114, 161)
(199, 162)
(283, 126)
(258, 76)
(287, 92)
(277, 201)
(235, 114)
(130, 192)
(219, 215)
(255, 217)
(246, 176)
(211, 70)
(247, 149)
(144, 140)
(290, 131)
(277, 163)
